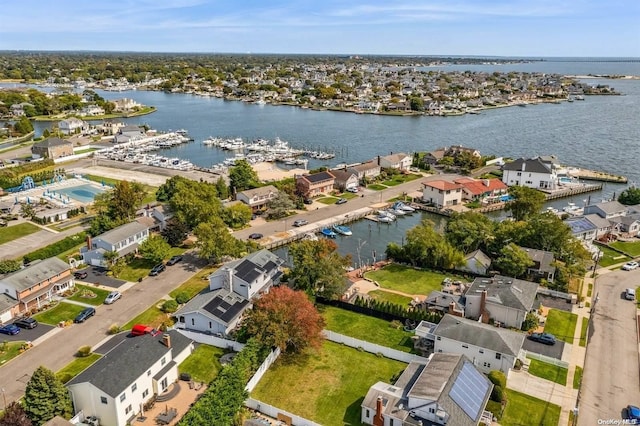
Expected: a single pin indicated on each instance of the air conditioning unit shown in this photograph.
(92, 421)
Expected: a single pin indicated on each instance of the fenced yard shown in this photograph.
(561, 324)
(408, 280)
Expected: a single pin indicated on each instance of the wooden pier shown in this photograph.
(572, 191)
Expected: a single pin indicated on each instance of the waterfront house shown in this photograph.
(128, 133)
(446, 389)
(483, 190)
(629, 225)
(476, 262)
(312, 185)
(258, 198)
(531, 172)
(344, 179)
(366, 171)
(542, 264)
(92, 110)
(34, 286)
(52, 148)
(133, 372)
(434, 157)
(123, 240)
(17, 110)
(589, 227)
(125, 105)
(441, 193)
(399, 161)
(606, 209)
(72, 125)
(504, 300)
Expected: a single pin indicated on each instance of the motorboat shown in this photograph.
(343, 230)
(399, 205)
(328, 233)
(384, 219)
(397, 212)
(387, 213)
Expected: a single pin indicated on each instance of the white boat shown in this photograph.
(386, 213)
(384, 219)
(397, 212)
(399, 205)
(341, 229)
(260, 102)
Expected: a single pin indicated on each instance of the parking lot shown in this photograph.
(28, 335)
(98, 276)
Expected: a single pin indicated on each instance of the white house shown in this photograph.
(445, 390)
(400, 161)
(488, 347)
(117, 386)
(72, 125)
(532, 173)
(588, 228)
(606, 209)
(441, 193)
(365, 171)
(258, 198)
(92, 110)
(123, 240)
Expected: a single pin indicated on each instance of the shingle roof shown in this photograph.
(532, 165)
(442, 300)
(542, 258)
(442, 185)
(264, 190)
(506, 291)
(220, 304)
(608, 207)
(6, 302)
(319, 177)
(122, 232)
(365, 166)
(51, 142)
(35, 273)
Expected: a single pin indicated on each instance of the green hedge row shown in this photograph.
(56, 248)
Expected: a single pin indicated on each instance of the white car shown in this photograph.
(112, 297)
(630, 266)
(353, 189)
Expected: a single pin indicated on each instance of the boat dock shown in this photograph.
(595, 175)
(573, 190)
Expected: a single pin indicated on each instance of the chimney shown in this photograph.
(484, 315)
(378, 160)
(378, 420)
(453, 311)
(524, 165)
(88, 242)
(229, 284)
(485, 182)
(166, 340)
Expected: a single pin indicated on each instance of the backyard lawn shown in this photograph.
(610, 257)
(629, 247)
(76, 367)
(548, 371)
(10, 233)
(386, 296)
(61, 312)
(398, 179)
(9, 350)
(203, 364)
(407, 280)
(526, 410)
(153, 317)
(364, 327)
(100, 295)
(140, 267)
(561, 324)
(341, 377)
(196, 283)
(327, 200)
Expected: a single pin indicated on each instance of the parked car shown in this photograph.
(80, 275)
(544, 338)
(352, 189)
(84, 315)
(112, 297)
(308, 201)
(175, 259)
(341, 201)
(157, 269)
(255, 236)
(629, 294)
(300, 222)
(630, 266)
(10, 329)
(26, 323)
(633, 413)
(141, 329)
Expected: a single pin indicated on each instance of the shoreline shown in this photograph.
(148, 111)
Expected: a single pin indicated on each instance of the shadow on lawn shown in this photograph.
(352, 414)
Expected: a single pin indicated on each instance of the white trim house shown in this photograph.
(124, 239)
(531, 172)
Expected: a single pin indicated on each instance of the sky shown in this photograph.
(512, 28)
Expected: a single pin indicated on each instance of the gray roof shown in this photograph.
(35, 273)
(265, 259)
(598, 221)
(51, 142)
(365, 166)
(532, 165)
(480, 257)
(263, 190)
(122, 232)
(128, 360)
(343, 176)
(6, 302)
(481, 335)
(443, 300)
(223, 305)
(506, 291)
(608, 207)
(543, 259)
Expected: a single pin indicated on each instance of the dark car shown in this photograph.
(633, 413)
(84, 315)
(26, 323)
(11, 329)
(157, 269)
(545, 338)
(341, 201)
(255, 236)
(80, 275)
(174, 260)
(308, 201)
(300, 222)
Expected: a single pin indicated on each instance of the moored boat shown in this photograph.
(328, 233)
(341, 229)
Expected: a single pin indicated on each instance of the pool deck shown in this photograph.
(44, 192)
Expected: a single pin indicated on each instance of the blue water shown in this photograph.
(83, 193)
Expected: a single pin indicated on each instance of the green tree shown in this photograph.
(425, 247)
(513, 261)
(530, 322)
(469, 231)
(526, 202)
(416, 103)
(46, 397)
(222, 188)
(166, 191)
(126, 198)
(175, 232)
(630, 196)
(195, 202)
(242, 177)
(237, 216)
(14, 415)
(23, 126)
(9, 265)
(215, 241)
(155, 248)
(280, 206)
(26, 210)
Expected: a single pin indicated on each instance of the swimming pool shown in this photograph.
(83, 193)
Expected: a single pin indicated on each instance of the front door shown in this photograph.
(163, 384)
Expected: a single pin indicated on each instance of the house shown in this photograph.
(115, 388)
(34, 286)
(400, 161)
(589, 227)
(231, 289)
(487, 347)
(123, 240)
(542, 264)
(125, 105)
(128, 133)
(532, 173)
(8, 308)
(258, 198)
(504, 300)
(310, 186)
(481, 189)
(434, 157)
(92, 110)
(629, 224)
(17, 110)
(72, 125)
(52, 148)
(344, 179)
(366, 171)
(439, 301)
(476, 263)
(442, 193)
(447, 389)
(52, 215)
(606, 209)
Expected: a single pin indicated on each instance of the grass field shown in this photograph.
(364, 327)
(10, 233)
(327, 200)
(340, 378)
(561, 324)
(523, 409)
(61, 312)
(583, 331)
(376, 187)
(577, 377)
(9, 351)
(196, 283)
(632, 248)
(98, 300)
(76, 367)
(203, 364)
(407, 280)
(548, 371)
(140, 267)
(153, 317)
(610, 257)
(386, 296)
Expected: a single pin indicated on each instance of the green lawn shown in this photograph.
(391, 182)
(76, 367)
(523, 409)
(577, 377)
(407, 280)
(349, 195)
(548, 371)
(139, 267)
(95, 301)
(61, 312)
(195, 284)
(610, 257)
(376, 187)
(632, 248)
(64, 256)
(583, 331)
(203, 364)
(327, 200)
(10, 351)
(152, 317)
(561, 324)
(398, 179)
(340, 378)
(385, 296)
(364, 327)
(101, 179)
(10, 233)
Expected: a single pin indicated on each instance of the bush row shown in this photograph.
(56, 248)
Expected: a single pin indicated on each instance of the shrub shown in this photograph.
(84, 351)
(182, 297)
(56, 248)
(498, 394)
(498, 378)
(495, 408)
(114, 329)
(169, 306)
(395, 324)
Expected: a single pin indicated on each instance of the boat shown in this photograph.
(386, 213)
(384, 219)
(310, 237)
(328, 233)
(397, 212)
(579, 98)
(343, 230)
(399, 205)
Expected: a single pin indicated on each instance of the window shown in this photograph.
(367, 413)
(127, 410)
(465, 346)
(193, 321)
(163, 361)
(134, 387)
(149, 373)
(439, 338)
(123, 396)
(103, 399)
(432, 410)
(498, 356)
(390, 422)
(145, 393)
(481, 351)
(209, 324)
(487, 364)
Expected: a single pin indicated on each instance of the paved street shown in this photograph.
(611, 378)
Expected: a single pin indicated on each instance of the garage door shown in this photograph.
(5, 317)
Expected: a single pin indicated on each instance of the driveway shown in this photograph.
(28, 335)
(553, 351)
(98, 276)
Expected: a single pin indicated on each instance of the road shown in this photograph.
(59, 349)
(611, 377)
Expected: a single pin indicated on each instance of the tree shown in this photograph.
(166, 191)
(222, 188)
(530, 322)
(23, 126)
(279, 206)
(126, 197)
(195, 202)
(175, 232)
(46, 397)
(26, 210)
(469, 231)
(237, 216)
(630, 196)
(215, 241)
(242, 176)
(287, 319)
(14, 415)
(427, 248)
(526, 202)
(513, 261)
(155, 248)
(9, 265)
(416, 103)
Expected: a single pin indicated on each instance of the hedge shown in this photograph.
(56, 248)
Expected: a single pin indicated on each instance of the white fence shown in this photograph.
(273, 412)
(262, 369)
(553, 293)
(208, 339)
(524, 354)
(372, 347)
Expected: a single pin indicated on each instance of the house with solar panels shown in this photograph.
(588, 228)
(231, 290)
(447, 389)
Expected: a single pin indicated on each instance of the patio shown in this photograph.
(181, 395)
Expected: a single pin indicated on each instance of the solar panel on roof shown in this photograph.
(469, 390)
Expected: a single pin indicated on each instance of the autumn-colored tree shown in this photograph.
(287, 319)
(14, 415)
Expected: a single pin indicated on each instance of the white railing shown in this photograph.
(524, 354)
(273, 412)
(208, 339)
(372, 347)
(253, 382)
(554, 293)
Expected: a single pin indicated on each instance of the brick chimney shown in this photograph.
(378, 420)
(453, 311)
(166, 340)
(88, 242)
